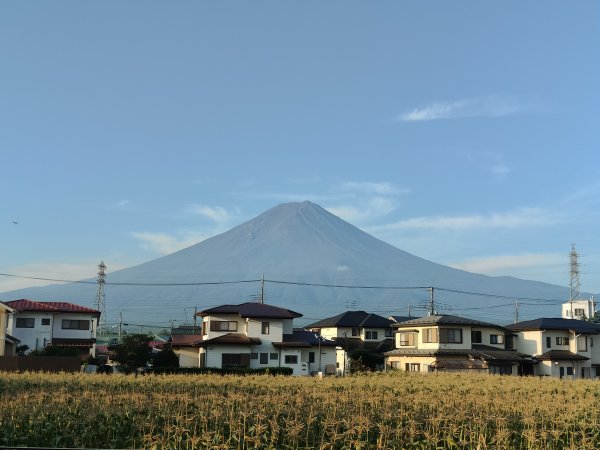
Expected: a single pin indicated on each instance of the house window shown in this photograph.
(46, 321)
(264, 358)
(476, 337)
(291, 359)
(450, 335)
(407, 339)
(371, 335)
(68, 324)
(355, 331)
(412, 367)
(388, 332)
(562, 341)
(548, 342)
(311, 357)
(25, 322)
(265, 328)
(203, 328)
(579, 312)
(591, 342)
(253, 355)
(273, 356)
(223, 325)
(430, 335)
(496, 339)
(569, 370)
(235, 360)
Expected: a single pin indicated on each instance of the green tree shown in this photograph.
(132, 352)
(166, 358)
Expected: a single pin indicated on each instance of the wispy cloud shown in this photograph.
(382, 188)
(217, 214)
(487, 106)
(165, 244)
(59, 270)
(492, 265)
(524, 217)
(364, 201)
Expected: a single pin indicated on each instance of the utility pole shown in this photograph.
(195, 318)
(409, 310)
(516, 315)
(262, 288)
(432, 311)
(120, 323)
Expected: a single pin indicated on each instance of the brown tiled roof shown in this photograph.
(253, 309)
(59, 342)
(185, 340)
(231, 339)
(51, 307)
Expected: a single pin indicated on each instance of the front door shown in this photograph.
(562, 371)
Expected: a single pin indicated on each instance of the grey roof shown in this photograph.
(577, 326)
(445, 319)
(252, 309)
(564, 355)
(353, 319)
(303, 338)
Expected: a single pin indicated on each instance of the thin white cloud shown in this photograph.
(50, 269)
(164, 243)
(365, 209)
(493, 265)
(524, 217)
(487, 106)
(383, 188)
(217, 214)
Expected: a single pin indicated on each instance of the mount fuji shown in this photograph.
(313, 262)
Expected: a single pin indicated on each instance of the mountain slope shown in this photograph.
(297, 242)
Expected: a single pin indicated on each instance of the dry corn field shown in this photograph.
(397, 410)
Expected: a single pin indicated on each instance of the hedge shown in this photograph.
(215, 370)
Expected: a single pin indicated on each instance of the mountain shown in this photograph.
(301, 243)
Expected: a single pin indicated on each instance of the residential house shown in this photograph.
(451, 343)
(58, 324)
(353, 329)
(562, 347)
(254, 335)
(579, 309)
(7, 342)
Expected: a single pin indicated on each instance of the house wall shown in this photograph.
(328, 358)
(270, 350)
(275, 329)
(300, 368)
(466, 338)
(530, 342)
(35, 338)
(59, 332)
(214, 353)
(241, 325)
(3, 323)
(188, 356)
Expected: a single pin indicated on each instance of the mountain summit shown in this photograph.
(298, 247)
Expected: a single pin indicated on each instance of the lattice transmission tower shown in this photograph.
(100, 305)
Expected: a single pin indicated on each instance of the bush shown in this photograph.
(215, 370)
(165, 358)
(55, 351)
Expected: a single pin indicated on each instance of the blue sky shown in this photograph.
(463, 132)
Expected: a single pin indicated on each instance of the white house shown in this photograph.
(254, 335)
(562, 347)
(451, 343)
(58, 324)
(579, 309)
(354, 326)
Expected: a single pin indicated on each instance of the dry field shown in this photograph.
(371, 411)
